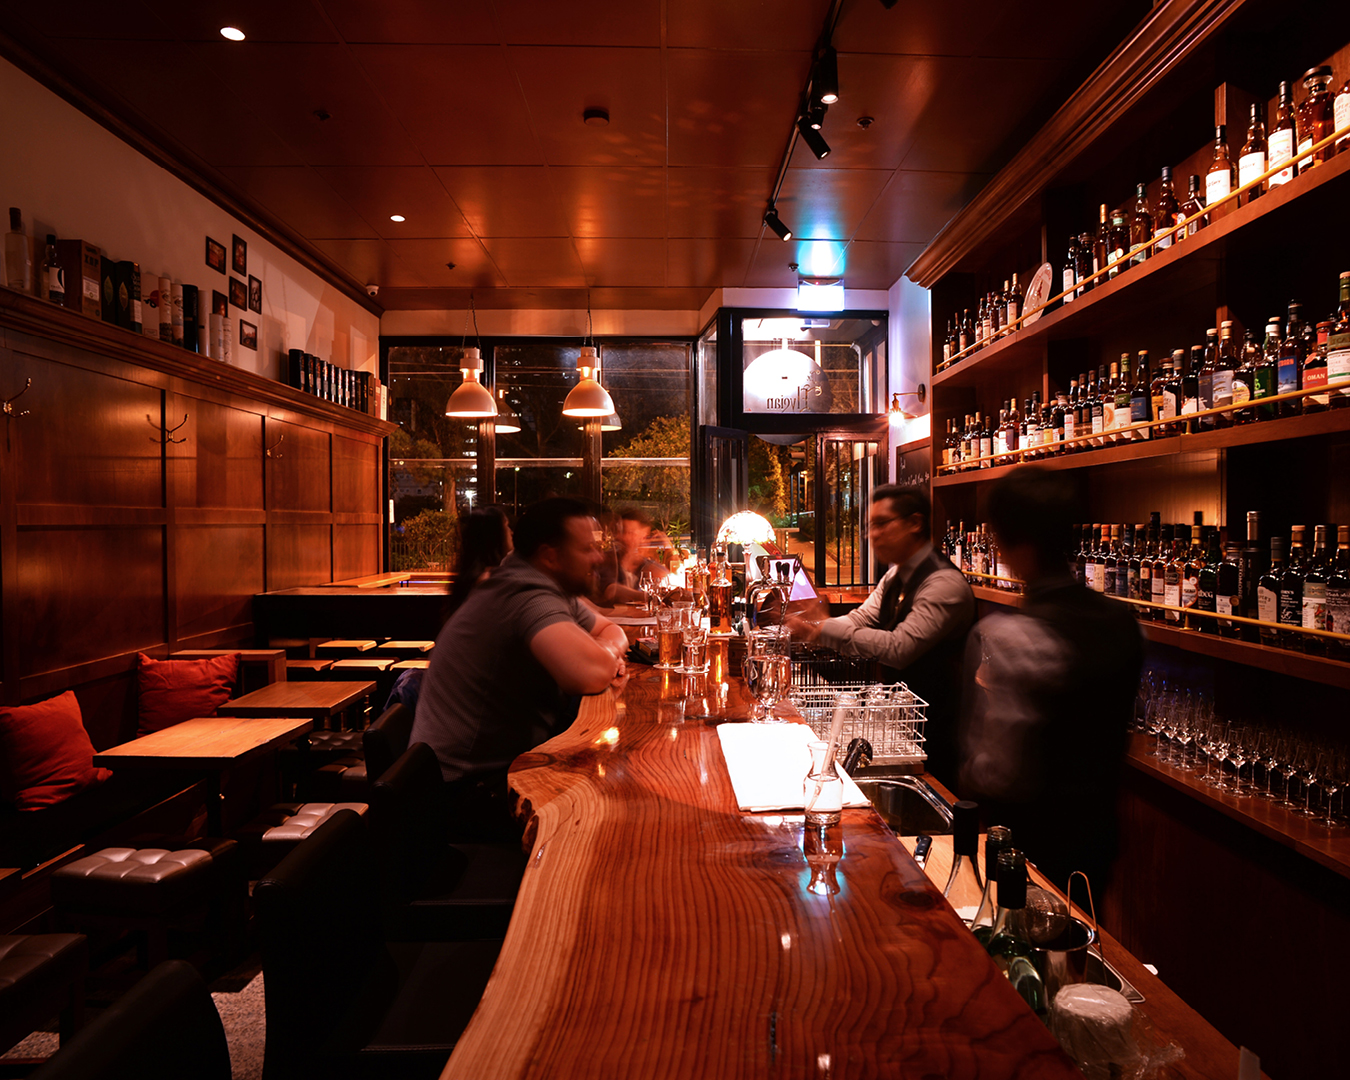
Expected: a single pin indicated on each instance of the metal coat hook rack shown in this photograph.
(166, 432)
(275, 457)
(10, 411)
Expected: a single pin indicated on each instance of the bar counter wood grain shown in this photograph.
(659, 932)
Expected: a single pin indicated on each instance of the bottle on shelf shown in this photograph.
(1060, 418)
(1315, 592)
(1205, 379)
(1083, 265)
(1100, 554)
(1165, 392)
(1314, 375)
(1291, 589)
(1162, 557)
(1141, 226)
(1001, 434)
(965, 888)
(1338, 347)
(1265, 379)
(1127, 586)
(1174, 576)
(1268, 594)
(1340, 116)
(1190, 206)
(1110, 560)
(998, 311)
(1141, 398)
(1190, 386)
(1293, 353)
(719, 596)
(1190, 572)
(1118, 243)
(1316, 116)
(1166, 212)
(1009, 945)
(1068, 279)
(947, 345)
(1219, 176)
(997, 840)
(1224, 371)
(1228, 589)
(1107, 393)
(1144, 539)
(18, 257)
(986, 441)
(1013, 434)
(1207, 584)
(53, 273)
(965, 336)
(1014, 302)
(1283, 140)
(1080, 571)
(1251, 566)
(1252, 156)
(1338, 596)
(1101, 243)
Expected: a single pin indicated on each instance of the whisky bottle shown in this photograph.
(1316, 116)
(1081, 559)
(1293, 352)
(1190, 386)
(1251, 565)
(1060, 419)
(1244, 379)
(1141, 227)
(1011, 440)
(719, 597)
(1001, 433)
(1315, 372)
(1282, 140)
(1225, 365)
(1205, 379)
(1124, 395)
(947, 345)
(1207, 584)
(1139, 584)
(1190, 572)
(965, 337)
(1192, 205)
(1101, 244)
(1097, 405)
(1338, 347)
(1108, 396)
(1099, 558)
(1338, 596)
(1141, 398)
(1110, 560)
(1166, 212)
(1174, 573)
(1014, 294)
(1268, 594)
(1083, 270)
(986, 441)
(1340, 114)
(1265, 380)
(1158, 572)
(1159, 405)
(1123, 553)
(1069, 277)
(1252, 156)
(1315, 593)
(1291, 589)
(1118, 243)
(1219, 177)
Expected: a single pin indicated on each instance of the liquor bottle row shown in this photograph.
(359, 390)
(1187, 566)
(1129, 235)
(1100, 407)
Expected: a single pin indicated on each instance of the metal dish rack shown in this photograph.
(889, 715)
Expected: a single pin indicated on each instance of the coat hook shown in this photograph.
(166, 432)
(10, 411)
(276, 457)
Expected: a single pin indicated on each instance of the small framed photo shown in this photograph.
(248, 335)
(240, 262)
(215, 255)
(220, 303)
(255, 294)
(238, 294)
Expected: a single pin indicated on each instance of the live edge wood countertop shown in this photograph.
(660, 932)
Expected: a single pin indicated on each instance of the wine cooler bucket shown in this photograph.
(889, 716)
(1064, 960)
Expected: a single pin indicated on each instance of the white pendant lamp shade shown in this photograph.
(507, 422)
(588, 397)
(471, 400)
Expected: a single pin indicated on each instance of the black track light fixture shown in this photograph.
(813, 138)
(774, 222)
(815, 114)
(825, 82)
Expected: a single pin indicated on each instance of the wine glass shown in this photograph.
(1305, 771)
(1240, 754)
(1333, 771)
(1218, 741)
(647, 583)
(1156, 719)
(768, 678)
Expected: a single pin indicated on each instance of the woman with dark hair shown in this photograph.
(484, 541)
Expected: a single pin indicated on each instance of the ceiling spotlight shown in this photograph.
(397, 217)
(815, 114)
(595, 117)
(233, 33)
(825, 84)
(772, 220)
(813, 138)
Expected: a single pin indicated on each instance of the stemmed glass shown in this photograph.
(1305, 770)
(1156, 719)
(1183, 734)
(1203, 730)
(1239, 753)
(1333, 771)
(1218, 743)
(768, 677)
(647, 583)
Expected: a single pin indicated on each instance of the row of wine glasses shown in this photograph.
(1308, 776)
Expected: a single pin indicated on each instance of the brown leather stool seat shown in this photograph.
(273, 834)
(41, 976)
(148, 889)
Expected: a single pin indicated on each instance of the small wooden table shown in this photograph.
(270, 664)
(315, 700)
(407, 650)
(208, 745)
(344, 646)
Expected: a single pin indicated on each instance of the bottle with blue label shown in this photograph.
(1293, 351)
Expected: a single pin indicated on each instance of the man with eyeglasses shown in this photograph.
(914, 622)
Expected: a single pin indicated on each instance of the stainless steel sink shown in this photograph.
(908, 805)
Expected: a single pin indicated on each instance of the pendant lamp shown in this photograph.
(588, 397)
(471, 400)
(507, 422)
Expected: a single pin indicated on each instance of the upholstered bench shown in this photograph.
(276, 832)
(150, 889)
(41, 976)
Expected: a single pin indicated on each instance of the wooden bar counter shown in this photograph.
(660, 932)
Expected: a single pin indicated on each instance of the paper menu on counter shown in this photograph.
(768, 764)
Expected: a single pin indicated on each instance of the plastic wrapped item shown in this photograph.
(1106, 1037)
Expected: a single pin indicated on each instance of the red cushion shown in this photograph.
(45, 753)
(176, 690)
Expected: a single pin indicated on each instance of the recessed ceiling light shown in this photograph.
(595, 117)
(397, 217)
(231, 32)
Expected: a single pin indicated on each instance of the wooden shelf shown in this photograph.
(1330, 848)
(1263, 431)
(28, 315)
(1316, 669)
(1186, 265)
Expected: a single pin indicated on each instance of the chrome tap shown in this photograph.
(766, 586)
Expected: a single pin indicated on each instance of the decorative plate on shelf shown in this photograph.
(1037, 290)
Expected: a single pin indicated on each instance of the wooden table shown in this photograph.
(207, 746)
(271, 663)
(659, 932)
(315, 700)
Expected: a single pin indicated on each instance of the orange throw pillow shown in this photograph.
(45, 753)
(172, 691)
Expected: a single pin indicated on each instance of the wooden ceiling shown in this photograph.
(465, 117)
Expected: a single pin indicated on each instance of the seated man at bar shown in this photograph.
(915, 621)
(511, 661)
(1050, 691)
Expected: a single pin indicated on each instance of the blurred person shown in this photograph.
(914, 622)
(1049, 691)
(512, 661)
(634, 552)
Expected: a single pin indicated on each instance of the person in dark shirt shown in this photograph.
(1049, 692)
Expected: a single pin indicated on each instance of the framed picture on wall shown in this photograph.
(238, 293)
(255, 294)
(240, 255)
(220, 303)
(215, 255)
(248, 335)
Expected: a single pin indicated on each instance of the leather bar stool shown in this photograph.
(41, 976)
(278, 831)
(347, 779)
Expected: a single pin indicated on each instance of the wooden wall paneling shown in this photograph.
(298, 554)
(356, 550)
(356, 476)
(220, 463)
(219, 568)
(299, 472)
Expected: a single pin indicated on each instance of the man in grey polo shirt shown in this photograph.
(510, 662)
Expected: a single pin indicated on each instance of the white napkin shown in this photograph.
(768, 764)
(632, 620)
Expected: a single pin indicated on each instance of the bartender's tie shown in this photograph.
(891, 600)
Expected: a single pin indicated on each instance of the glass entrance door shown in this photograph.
(849, 467)
(723, 472)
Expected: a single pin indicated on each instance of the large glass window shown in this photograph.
(796, 366)
(546, 456)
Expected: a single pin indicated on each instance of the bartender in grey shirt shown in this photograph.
(914, 622)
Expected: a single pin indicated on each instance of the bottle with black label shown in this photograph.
(1141, 398)
(1291, 589)
(997, 840)
(53, 273)
(1190, 207)
(1207, 585)
(1228, 589)
(1190, 572)
(1268, 594)
(1141, 227)
(965, 888)
(1009, 944)
(1338, 596)
(1166, 212)
(1251, 567)
(1315, 592)
(1244, 379)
